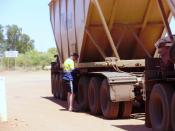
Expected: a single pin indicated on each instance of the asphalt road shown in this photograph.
(31, 107)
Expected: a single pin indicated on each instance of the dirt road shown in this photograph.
(31, 107)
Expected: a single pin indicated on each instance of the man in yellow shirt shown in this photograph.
(69, 66)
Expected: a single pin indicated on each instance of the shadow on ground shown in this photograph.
(57, 101)
(138, 116)
(63, 103)
(133, 127)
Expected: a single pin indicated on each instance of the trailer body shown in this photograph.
(129, 23)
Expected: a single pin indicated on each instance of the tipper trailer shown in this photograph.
(118, 63)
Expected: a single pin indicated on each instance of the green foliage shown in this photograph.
(1, 34)
(28, 57)
(52, 51)
(35, 59)
(13, 35)
(2, 45)
(24, 44)
(16, 40)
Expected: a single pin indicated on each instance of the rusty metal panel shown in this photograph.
(64, 33)
(71, 26)
(121, 16)
(51, 5)
(120, 63)
(121, 85)
(121, 92)
(148, 26)
(80, 21)
(57, 31)
(119, 77)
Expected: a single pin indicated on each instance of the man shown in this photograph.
(163, 46)
(69, 67)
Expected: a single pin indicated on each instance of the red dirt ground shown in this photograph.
(31, 107)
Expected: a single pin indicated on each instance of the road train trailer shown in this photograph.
(119, 65)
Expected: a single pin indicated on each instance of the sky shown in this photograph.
(33, 17)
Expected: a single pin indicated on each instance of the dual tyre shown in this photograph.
(161, 107)
(58, 89)
(173, 112)
(94, 94)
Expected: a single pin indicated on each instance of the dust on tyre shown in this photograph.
(173, 112)
(125, 109)
(63, 91)
(94, 95)
(159, 107)
(83, 93)
(109, 109)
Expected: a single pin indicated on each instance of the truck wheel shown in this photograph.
(94, 95)
(109, 109)
(57, 90)
(173, 112)
(83, 93)
(53, 85)
(63, 92)
(125, 109)
(159, 107)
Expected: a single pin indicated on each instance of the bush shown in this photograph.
(31, 60)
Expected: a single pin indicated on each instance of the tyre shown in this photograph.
(83, 93)
(62, 89)
(109, 109)
(125, 109)
(159, 107)
(63, 94)
(173, 112)
(94, 95)
(57, 86)
(53, 85)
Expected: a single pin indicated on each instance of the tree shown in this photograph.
(52, 51)
(1, 38)
(1, 34)
(25, 44)
(13, 35)
(16, 40)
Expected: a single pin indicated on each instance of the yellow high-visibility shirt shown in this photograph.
(69, 65)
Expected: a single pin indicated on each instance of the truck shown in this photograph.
(119, 65)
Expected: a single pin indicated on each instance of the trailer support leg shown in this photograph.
(106, 28)
(95, 44)
(139, 41)
(165, 21)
